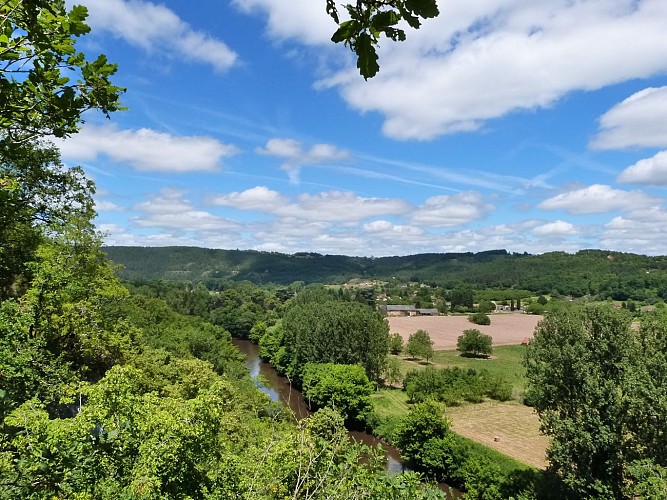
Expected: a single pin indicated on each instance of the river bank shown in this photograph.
(278, 388)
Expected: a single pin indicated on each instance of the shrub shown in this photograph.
(479, 318)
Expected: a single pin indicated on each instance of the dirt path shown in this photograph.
(506, 329)
(515, 426)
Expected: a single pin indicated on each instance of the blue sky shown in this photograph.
(528, 125)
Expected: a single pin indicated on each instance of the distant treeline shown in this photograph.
(601, 273)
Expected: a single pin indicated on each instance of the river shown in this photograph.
(278, 388)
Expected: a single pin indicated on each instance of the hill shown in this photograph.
(619, 275)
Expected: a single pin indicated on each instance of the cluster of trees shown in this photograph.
(507, 277)
(599, 386)
(474, 343)
(420, 345)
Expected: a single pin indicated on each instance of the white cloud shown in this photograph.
(597, 199)
(146, 149)
(107, 206)
(157, 29)
(651, 171)
(557, 228)
(259, 198)
(641, 231)
(481, 60)
(170, 211)
(295, 155)
(323, 207)
(446, 211)
(302, 19)
(638, 121)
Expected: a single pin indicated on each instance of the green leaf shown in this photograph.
(345, 32)
(366, 56)
(384, 19)
(423, 8)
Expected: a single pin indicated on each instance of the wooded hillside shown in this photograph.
(621, 275)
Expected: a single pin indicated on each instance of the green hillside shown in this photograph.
(619, 275)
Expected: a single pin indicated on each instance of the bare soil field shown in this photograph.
(505, 328)
(515, 426)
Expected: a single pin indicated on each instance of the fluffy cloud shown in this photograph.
(325, 207)
(638, 121)
(295, 155)
(107, 206)
(171, 211)
(482, 60)
(447, 211)
(302, 19)
(557, 228)
(597, 199)
(259, 198)
(642, 231)
(157, 29)
(649, 171)
(146, 149)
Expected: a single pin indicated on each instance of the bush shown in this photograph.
(474, 343)
(479, 318)
(343, 387)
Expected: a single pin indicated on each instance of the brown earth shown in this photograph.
(510, 428)
(505, 328)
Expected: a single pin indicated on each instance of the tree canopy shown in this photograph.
(45, 82)
(598, 385)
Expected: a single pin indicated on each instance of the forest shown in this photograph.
(599, 273)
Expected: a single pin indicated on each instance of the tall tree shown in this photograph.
(326, 330)
(599, 387)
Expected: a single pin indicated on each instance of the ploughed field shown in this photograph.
(505, 328)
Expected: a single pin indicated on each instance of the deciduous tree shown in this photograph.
(420, 345)
(474, 343)
(598, 385)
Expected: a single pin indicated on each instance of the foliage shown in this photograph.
(598, 387)
(38, 51)
(422, 423)
(319, 328)
(395, 344)
(370, 19)
(392, 372)
(486, 306)
(452, 386)
(461, 298)
(420, 345)
(38, 197)
(479, 318)
(535, 308)
(474, 343)
(344, 388)
(493, 275)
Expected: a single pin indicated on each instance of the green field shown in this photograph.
(506, 362)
